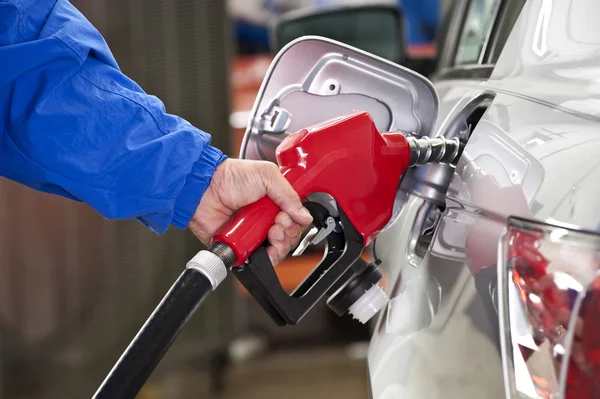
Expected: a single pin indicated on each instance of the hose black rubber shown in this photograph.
(155, 337)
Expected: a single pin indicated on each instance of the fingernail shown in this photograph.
(272, 252)
(305, 214)
(279, 235)
(287, 221)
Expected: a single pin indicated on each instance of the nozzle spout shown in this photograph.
(424, 150)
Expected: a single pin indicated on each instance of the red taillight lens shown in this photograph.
(550, 310)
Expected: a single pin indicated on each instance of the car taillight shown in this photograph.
(549, 309)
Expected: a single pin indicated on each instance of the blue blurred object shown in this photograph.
(422, 20)
(251, 38)
(72, 124)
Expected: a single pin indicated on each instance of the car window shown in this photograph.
(476, 30)
(512, 10)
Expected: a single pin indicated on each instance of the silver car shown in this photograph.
(491, 266)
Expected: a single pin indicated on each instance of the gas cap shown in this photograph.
(361, 296)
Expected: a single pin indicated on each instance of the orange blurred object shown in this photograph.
(292, 271)
(247, 74)
(426, 50)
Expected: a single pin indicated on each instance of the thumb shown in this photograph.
(281, 192)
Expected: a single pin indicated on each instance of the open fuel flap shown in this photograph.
(314, 79)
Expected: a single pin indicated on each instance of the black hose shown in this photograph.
(155, 337)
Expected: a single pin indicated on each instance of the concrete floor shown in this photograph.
(326, 373)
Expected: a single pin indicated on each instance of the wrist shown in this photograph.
(196, 185)
(202, 223)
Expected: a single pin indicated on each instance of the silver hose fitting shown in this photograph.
(224, 253)
(213, 263)
(424, 150)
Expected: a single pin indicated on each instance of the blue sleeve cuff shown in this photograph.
(196, 184)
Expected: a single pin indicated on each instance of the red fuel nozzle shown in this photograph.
(347, 158)
(359, 169)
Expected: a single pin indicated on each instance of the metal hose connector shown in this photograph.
(424, 150)
(224, 253)
(213, 263)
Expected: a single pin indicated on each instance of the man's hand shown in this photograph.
(237, 183)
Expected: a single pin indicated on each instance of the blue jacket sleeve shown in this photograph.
(72, 124)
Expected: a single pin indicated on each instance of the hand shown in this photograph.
(237, 183)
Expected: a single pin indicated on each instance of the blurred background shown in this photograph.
(74, 288)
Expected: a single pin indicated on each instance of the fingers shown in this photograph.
(280, 244)
(283, 236)
(272, 252)
(280, 241)
(284, 196)
(292, 230)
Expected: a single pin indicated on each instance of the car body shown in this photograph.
(537, 142)
(519, 80)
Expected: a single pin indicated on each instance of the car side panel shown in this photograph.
(533, 154)
(435, 338)
(438, 336)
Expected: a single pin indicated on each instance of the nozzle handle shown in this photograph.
(248, 229)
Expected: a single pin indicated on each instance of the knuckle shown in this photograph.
(280, 218)
(270, 168)
(268, 172)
